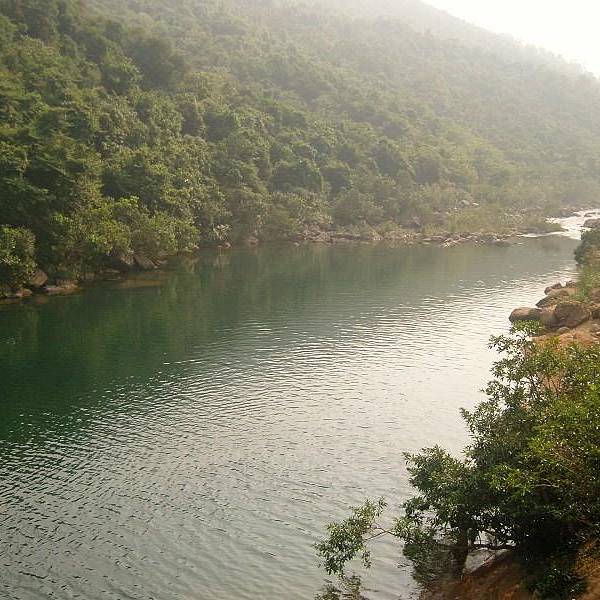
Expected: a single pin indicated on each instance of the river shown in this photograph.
(187, 435)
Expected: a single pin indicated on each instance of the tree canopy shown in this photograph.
(155, 126)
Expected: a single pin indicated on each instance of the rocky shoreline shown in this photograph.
(565, 313)
(407, 237)
(121, 267)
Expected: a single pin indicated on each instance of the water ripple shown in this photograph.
(191, 441)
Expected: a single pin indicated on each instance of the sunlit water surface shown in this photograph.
(189, 436)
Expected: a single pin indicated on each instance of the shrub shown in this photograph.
(17, 247)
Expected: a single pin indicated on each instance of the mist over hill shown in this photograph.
(153, 126)
(425, 18)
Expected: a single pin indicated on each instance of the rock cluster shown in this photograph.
(561, 312)
(404, 236)
(40, 283)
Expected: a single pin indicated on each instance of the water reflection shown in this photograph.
(347, 588)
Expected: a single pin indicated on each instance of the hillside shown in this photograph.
(425, 18)
(153, 126)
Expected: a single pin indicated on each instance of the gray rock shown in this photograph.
(571, 313)
(548, 318)
(553, 297)
(480, 558)
(550, 288)
(38, 280)
(143, 262)
(123, 262)
(525, 313)
(62, 288)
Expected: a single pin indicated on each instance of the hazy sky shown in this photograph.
(570, 28)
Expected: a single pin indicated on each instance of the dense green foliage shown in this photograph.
(153, 126)
(16, 255)
(588, 252)
(529, 479)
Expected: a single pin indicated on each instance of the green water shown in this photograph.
(188, 435)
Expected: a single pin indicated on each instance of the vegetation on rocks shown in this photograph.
(151, 127)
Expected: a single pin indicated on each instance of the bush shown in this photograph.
(17, 248)
(589, 247)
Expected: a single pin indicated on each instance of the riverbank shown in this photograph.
(507, 579)
(569, 314)
(121, 268)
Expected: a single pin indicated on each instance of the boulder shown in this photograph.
(595, 310)
(571, 284)
(62, 288)
(38, 280)
(122, 261)
(143, 262)
(548, 318)
(571, 313)
(550, 288)
(481, 559)
(553, 297)
(525, 313)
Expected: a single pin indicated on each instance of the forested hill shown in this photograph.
(153, 126)
(425, 18)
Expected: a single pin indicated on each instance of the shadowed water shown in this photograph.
(189, 438)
